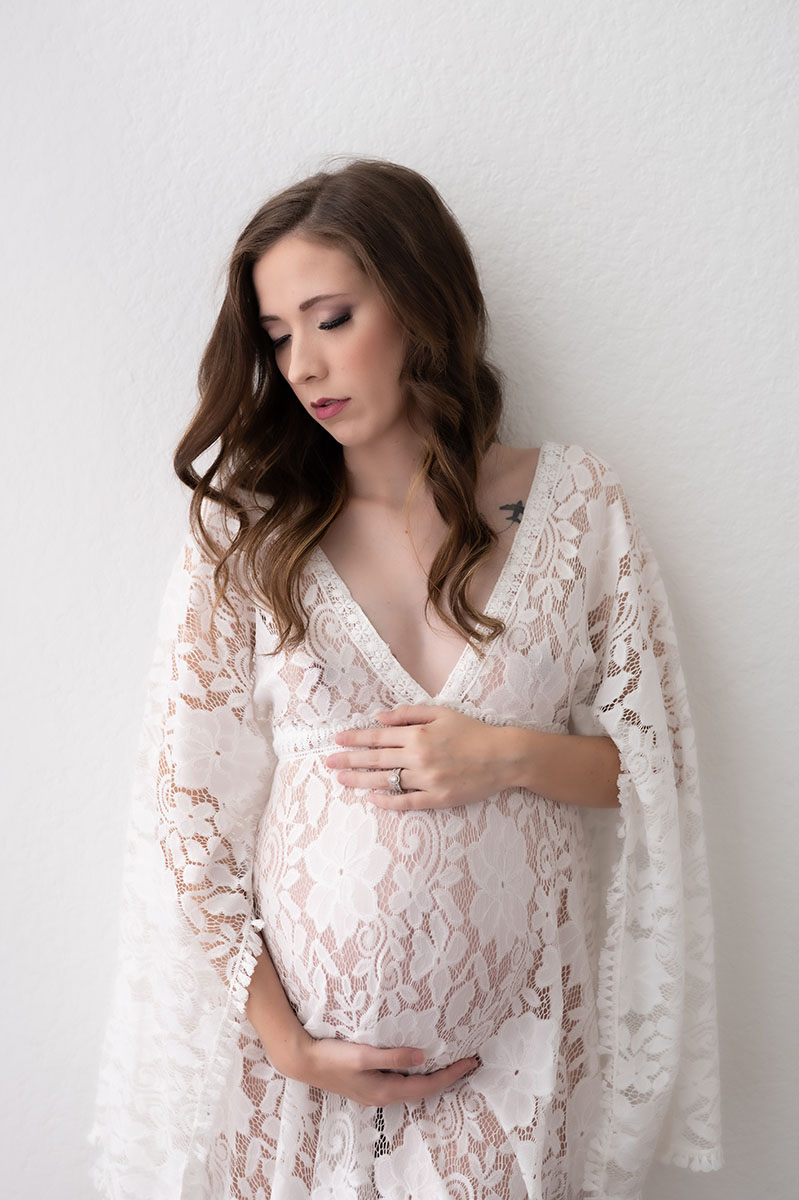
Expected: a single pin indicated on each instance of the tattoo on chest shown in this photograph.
(514, 512)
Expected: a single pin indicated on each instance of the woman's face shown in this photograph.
(333, 338)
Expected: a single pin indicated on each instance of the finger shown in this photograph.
(363, 779)
(375, 780)
(376, 759)
(402, 801)
(396, 1058)
(410, 1088)
(409, 714)
(436, 1081)
(369, 737)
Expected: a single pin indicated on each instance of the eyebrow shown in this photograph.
(306, 304)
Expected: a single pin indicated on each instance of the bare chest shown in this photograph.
(390, 587)
(385, 567)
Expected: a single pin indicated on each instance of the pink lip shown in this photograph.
(328, 400)
(330, 410)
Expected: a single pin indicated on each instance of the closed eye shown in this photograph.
(323, 325)
(334, 324)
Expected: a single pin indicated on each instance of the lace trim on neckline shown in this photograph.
(500, 604)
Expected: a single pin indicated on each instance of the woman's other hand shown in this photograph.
(366, 1074)
(447, 758)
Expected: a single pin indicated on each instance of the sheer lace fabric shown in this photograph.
(571, 949)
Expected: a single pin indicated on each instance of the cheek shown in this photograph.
(380, 352)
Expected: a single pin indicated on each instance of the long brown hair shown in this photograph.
(398, 230)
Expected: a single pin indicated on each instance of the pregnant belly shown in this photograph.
(416, 929)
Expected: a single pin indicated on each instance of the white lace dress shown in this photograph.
(570, 949)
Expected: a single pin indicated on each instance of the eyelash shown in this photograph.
(324, 325)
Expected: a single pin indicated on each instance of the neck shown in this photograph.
(383, 473)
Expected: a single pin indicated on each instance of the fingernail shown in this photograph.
(417, 1058)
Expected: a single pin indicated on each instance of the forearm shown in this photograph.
(566, 767)
(367, 1074)
(274, 1019)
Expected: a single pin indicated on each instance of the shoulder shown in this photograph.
(588, 470)
(571, 468)
(205, 543)
(586, 478)
(222, 517)
(591, 497)
(506, 467)
(223, 524)
(204, 548)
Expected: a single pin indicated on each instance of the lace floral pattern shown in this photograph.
(572, 949)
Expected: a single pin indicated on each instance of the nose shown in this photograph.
(305, 359)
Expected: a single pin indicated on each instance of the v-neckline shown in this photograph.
(499, 603)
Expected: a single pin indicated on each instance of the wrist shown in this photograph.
(579, 769)
(517, 755)
(291, 1053)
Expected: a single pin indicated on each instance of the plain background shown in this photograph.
(627, 175)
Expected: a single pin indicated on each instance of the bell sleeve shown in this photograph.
(189, 937)
(656, 1002)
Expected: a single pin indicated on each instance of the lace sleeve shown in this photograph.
(189, 938)
(656, 987)
(212, 758)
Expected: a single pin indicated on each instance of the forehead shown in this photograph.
(286, 271)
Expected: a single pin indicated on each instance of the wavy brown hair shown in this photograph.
(271, 452)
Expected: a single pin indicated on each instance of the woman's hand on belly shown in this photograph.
(366, 1074)
(447, 758)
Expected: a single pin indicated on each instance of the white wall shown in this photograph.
(627, 174)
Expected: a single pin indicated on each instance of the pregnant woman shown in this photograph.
(416, 899)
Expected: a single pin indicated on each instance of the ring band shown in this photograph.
(395, 781)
